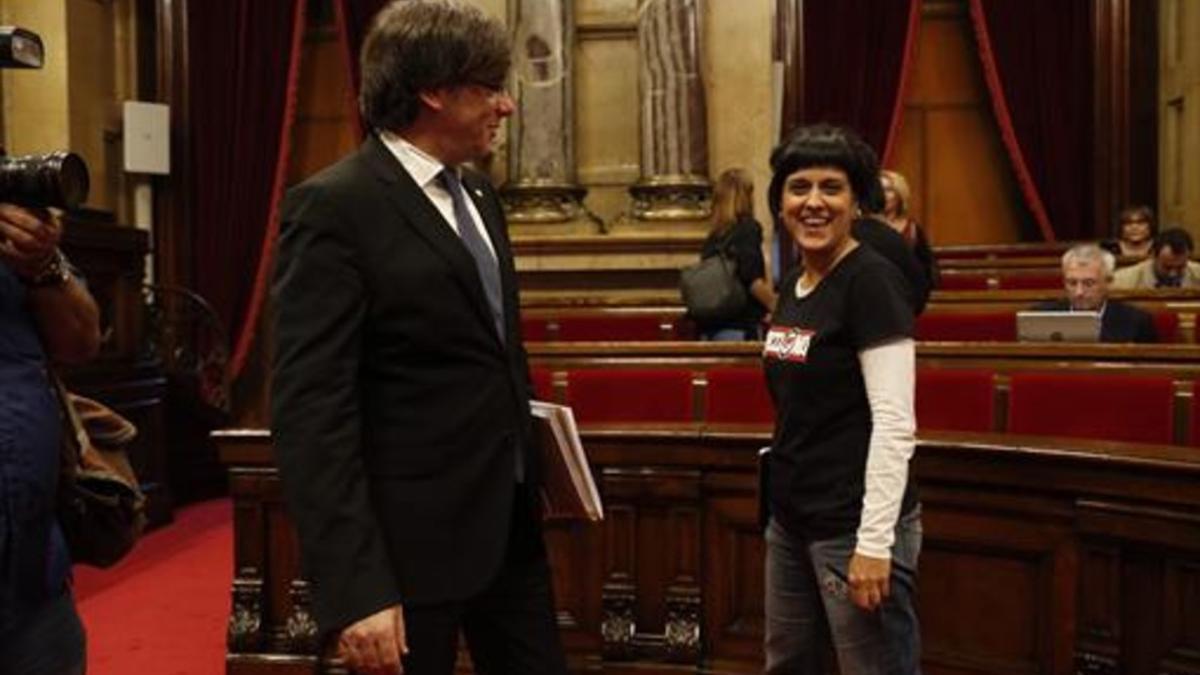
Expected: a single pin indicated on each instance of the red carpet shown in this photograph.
(162, 610)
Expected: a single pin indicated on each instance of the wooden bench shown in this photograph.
(1001, 251)
(947, 317)
(637, 323)
(641, 380)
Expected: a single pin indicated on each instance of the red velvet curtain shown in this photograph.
(857, 55)
(353, 20)
(852, 70)
(1037, 61)
(242, 69)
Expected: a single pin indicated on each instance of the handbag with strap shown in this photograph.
(711, 288)
(101, 509)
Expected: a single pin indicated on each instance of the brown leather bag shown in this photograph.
(101, 509)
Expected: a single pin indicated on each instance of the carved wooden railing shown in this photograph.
(1041, 555)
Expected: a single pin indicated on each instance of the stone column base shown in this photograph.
(687, 198)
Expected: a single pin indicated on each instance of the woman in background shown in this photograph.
(844, 529)
(736, 234)
(896, 195)
(1133, 237)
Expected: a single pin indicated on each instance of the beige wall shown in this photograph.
(1179, 114)
(74, 101)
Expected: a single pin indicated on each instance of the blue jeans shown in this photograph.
(808, 606)
(50, 642)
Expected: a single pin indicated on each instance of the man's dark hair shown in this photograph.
(421, 45)
(1135, 212)
(1175, 238)
(827, 145)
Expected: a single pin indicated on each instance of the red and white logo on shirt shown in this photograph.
(787, 343)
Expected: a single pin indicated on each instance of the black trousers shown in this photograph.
(510, 627)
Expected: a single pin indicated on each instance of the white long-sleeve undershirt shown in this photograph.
(888, 372)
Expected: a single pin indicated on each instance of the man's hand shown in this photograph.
(375, 644)
(27, 238)
(868, 579)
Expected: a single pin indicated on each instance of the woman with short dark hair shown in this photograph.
(844, 529)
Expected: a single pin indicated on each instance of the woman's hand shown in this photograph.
(868, 579)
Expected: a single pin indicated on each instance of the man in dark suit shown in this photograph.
(1087, 271)
(400, 396)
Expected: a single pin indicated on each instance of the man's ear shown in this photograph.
(434, 98)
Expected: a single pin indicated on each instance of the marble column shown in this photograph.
(674, 184)
(542, 188)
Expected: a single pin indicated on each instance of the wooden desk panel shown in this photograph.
(1041, 556)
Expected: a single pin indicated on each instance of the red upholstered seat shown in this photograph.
(535, 329)
(1166, 324)
(543, 383)
(1000, 326)
(612, 327)
(1092, 405)
(955, 400)
(948, 281)
(738, 395)
(1031, 281)
(628, 395)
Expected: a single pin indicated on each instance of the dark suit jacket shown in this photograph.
(1120, 322)
(396, 409)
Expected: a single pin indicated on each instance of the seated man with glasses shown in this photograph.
(1087, 274)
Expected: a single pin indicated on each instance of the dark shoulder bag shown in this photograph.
(711, 288)
(100, 508)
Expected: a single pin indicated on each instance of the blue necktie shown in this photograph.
(485, 262)
(489, 270)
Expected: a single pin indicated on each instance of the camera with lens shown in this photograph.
(58, 179)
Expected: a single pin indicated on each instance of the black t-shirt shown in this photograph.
(823, 419)
(919, 273)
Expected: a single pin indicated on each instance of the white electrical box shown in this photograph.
(147, 133)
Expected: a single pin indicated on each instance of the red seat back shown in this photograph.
(613, 327)
(950, 281)
(738, 395)
(1000, 326)
(1092, 405)
(543, 383)
(629, 395)
(535, 329)
(955, 400)
(1033, 281)
(1166, 324)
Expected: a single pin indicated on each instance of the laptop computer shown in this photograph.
(1058, 326)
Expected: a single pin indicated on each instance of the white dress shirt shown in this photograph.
(424, 169)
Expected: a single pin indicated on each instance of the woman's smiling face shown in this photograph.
(817, 207)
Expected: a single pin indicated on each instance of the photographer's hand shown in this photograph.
(67, 317)
(28, 239)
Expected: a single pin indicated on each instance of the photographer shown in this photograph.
(46, 314)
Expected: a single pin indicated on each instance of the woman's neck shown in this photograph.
(1138, 248)
(818, 264)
